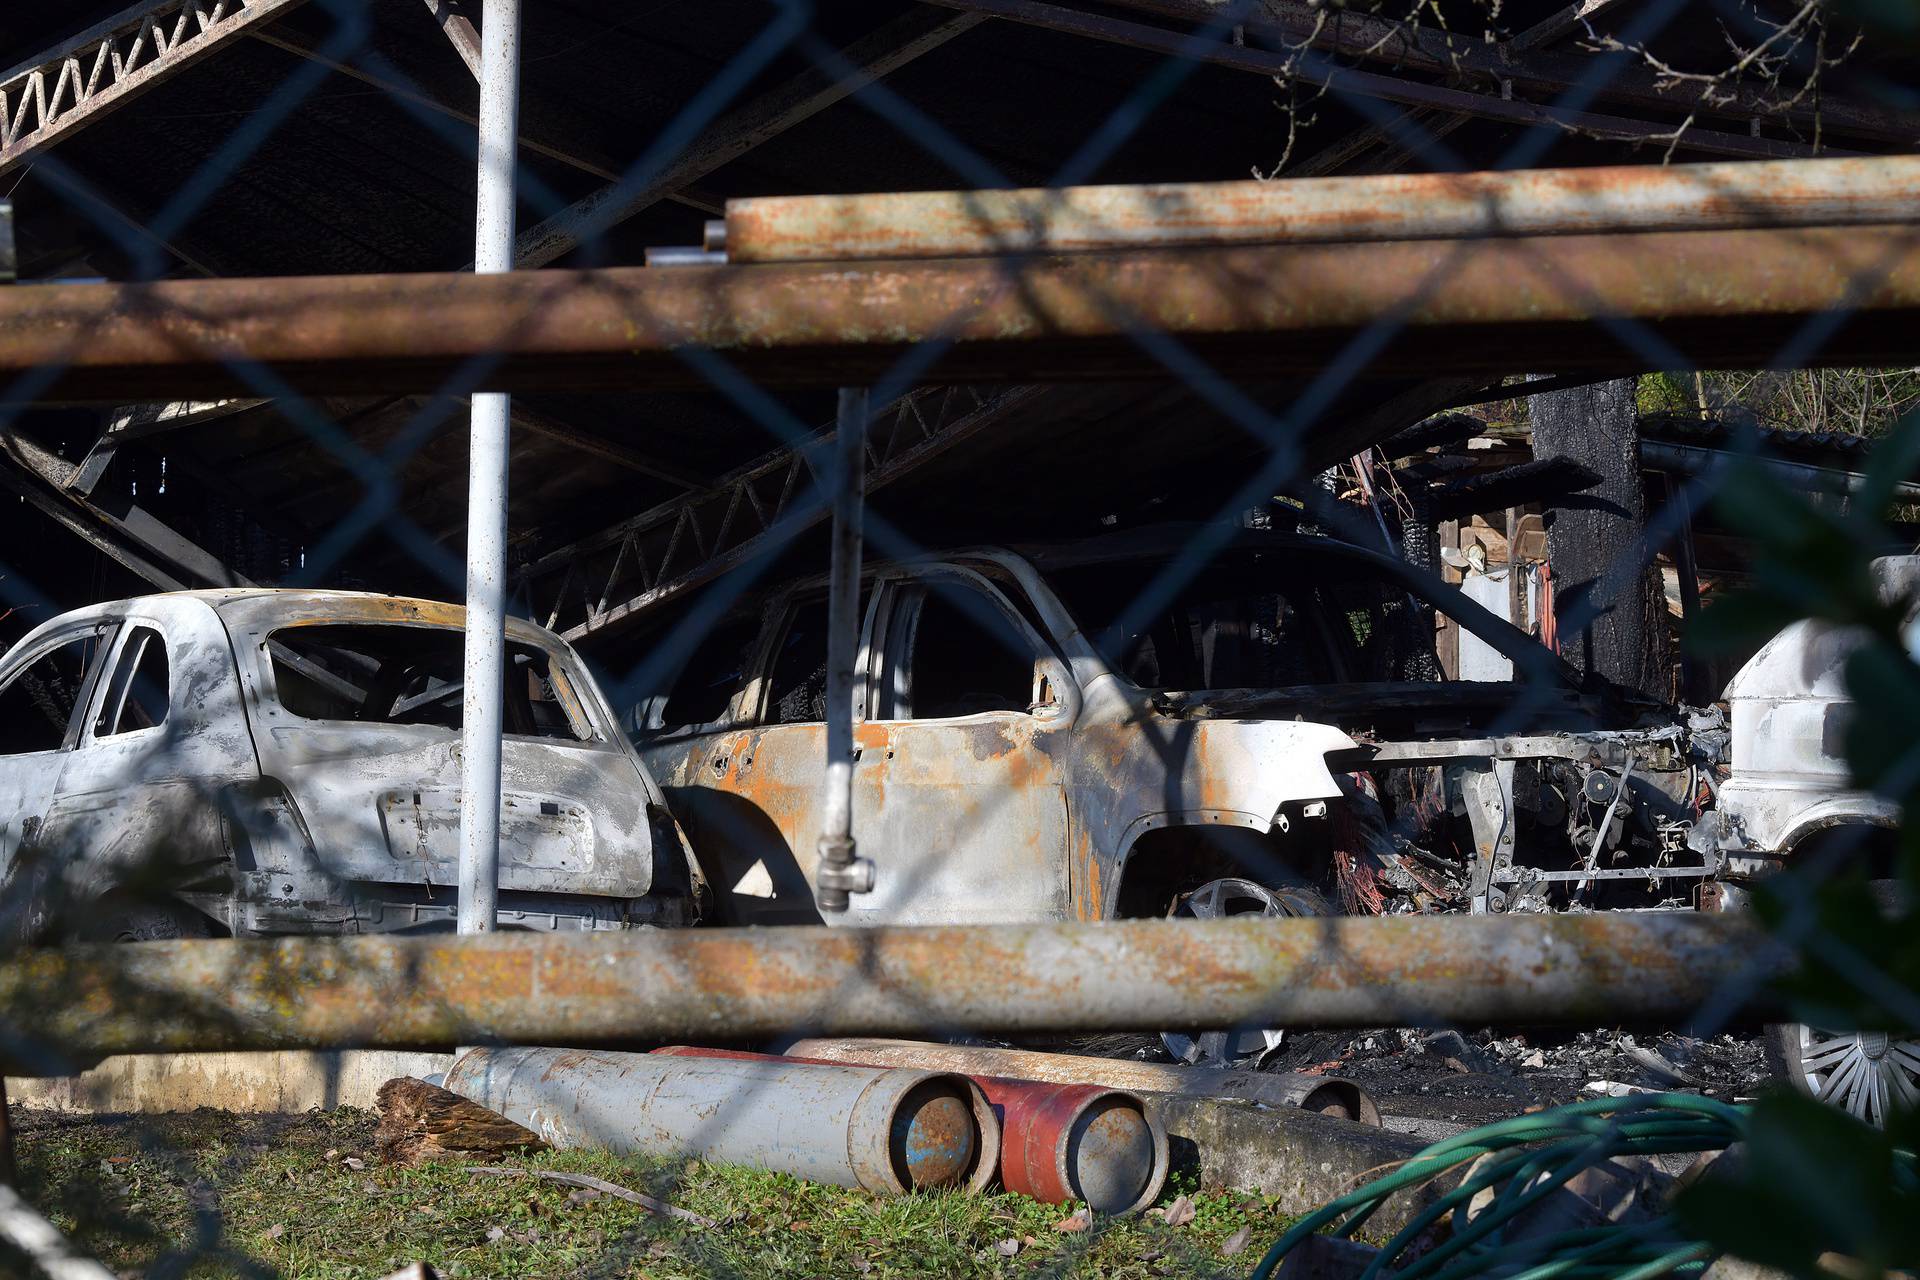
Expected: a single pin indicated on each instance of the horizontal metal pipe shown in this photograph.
(1692, 459)
(1058, 1142)
(1417, 206)
(1136, 975)
(1723, 298)
(885, 1130)
(1325, 1095)
(684, 256)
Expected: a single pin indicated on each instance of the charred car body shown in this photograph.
(270, 762)
(1107, 729)
(1047, 735)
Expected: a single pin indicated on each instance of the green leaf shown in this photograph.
(1896, 458)
(1811, 1180)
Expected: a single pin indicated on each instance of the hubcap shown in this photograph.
(1214, 900)
(1867, 1073)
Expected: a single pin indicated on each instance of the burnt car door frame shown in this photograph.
(965, 815)
(30, 864)
(747, 789)
(134, 798)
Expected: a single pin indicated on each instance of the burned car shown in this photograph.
(1049, 734)
(1790, 797)
(261, 762)
(1107, 729)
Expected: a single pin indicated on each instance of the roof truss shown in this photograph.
(54, 95)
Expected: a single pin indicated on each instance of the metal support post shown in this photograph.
(1694, 689)
(485, 673)
(840, 872)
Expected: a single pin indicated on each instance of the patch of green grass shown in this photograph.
(213, 1194)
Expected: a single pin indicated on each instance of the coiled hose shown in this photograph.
(1533, 1156)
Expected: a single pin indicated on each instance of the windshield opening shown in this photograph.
(1255, 620)
(396, 674)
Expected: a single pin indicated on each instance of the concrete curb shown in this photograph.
(1300, 1158)
(250, 1083)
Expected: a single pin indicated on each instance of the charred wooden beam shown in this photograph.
(1609, 602)
(1435, 432)
(1542, 480)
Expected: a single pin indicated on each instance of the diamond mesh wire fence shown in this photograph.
(1150, 530)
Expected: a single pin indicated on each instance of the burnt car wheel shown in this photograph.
(1217, 900)
(1865, 1073)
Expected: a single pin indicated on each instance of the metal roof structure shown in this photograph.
(372, 171)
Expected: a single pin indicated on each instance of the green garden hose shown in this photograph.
(1533, 1156)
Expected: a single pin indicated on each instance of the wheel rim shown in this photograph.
(1214, 900)
(1865, 1073)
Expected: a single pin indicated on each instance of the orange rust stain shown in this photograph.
(503, 975)
(723, 971)
(324, 609)
(1084, 894)
(1174, 963)
(924, 959)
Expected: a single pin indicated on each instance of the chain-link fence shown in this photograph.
(1059, 467)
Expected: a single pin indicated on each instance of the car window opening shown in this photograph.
(1246, 622)
(968, 657)
(37, 705)
(388, 674)
(715, 669)
(797, 692)
(137, 693)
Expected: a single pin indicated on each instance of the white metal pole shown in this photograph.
(485, 676)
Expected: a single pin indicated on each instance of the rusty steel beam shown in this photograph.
(459, 31)
(654, 985)
(1418, 206)
(119, 529)
(62, 90)
(1374, 84)
(1725, 299)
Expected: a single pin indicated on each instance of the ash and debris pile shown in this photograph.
(1448, 1074)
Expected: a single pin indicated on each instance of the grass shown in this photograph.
(214, 1194)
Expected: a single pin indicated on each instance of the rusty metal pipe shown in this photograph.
(1420, 206)
(1723, 298)
(886, 1130)
(1058, 1142)
(839, 872)
(1133, 975)
(1325, 1095)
